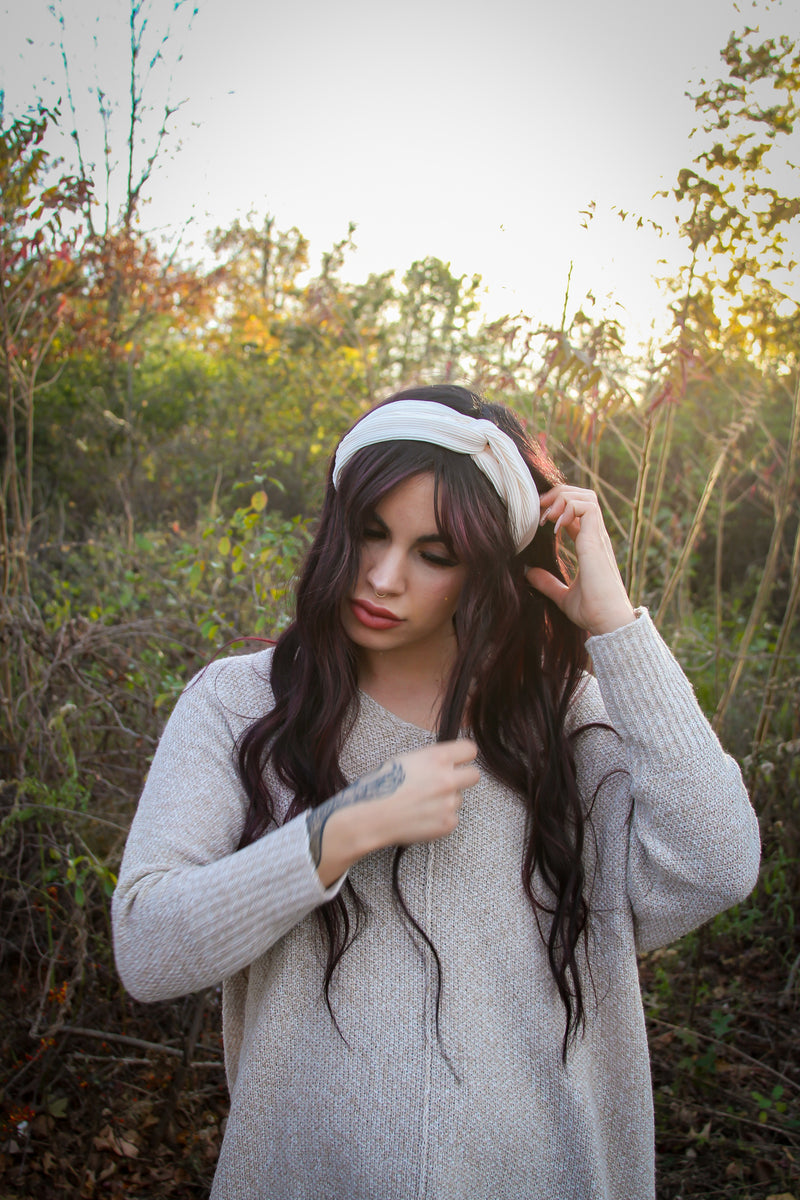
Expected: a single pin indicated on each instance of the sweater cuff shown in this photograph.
(600, 644)
(323, 894)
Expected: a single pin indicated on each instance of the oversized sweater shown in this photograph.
(376, 1111)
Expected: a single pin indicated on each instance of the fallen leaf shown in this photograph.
(108, 1140)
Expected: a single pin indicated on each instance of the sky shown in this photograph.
(477, 131)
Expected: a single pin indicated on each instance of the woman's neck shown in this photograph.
(408, 685)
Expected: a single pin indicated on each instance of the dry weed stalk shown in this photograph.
(782, 509)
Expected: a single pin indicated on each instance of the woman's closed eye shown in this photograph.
(439, 559)
(438, 556)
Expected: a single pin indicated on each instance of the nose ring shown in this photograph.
(381, 595)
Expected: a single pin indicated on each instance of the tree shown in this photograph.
(38, 277)
(291, 368)
(135, 291)
(737, 222)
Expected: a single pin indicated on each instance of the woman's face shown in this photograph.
(408, 581)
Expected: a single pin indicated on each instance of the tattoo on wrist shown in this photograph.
(375, 786)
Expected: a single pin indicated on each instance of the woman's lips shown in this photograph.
(372, 616)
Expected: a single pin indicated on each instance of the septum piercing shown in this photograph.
(381, 595)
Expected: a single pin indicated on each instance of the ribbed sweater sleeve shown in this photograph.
(693, 840)
(190, 909)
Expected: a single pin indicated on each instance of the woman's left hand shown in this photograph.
(596, 599)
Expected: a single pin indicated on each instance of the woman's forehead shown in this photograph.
(413, 500)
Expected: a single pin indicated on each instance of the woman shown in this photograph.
(420, 844)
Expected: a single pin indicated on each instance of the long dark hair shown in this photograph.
(519, 664)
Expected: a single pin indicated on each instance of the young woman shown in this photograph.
(420, 845)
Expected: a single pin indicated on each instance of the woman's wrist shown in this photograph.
(622, 614)
(345, 837)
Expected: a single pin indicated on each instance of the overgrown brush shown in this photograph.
(93, 665)
(723, 1012)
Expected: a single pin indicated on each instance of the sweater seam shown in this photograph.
(429, 1020)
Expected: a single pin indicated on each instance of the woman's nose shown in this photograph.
(385, 574)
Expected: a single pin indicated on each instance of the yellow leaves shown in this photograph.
(224, 546)
(258, 501)
(256, 333)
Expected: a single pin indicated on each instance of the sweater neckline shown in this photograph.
(393, 717)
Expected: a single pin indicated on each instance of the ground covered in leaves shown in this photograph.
(104, 1097)
(724, 1028)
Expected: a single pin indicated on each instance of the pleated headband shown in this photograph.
(489, 448)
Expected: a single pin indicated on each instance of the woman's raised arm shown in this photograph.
(596, 599)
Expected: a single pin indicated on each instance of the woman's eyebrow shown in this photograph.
(425, 538)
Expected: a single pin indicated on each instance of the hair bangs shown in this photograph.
(470, 515)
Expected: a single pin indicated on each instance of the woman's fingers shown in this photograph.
(596, 599)
(548, 585)
(426, 806)
(460, 751)
(563, 505)
(444, 768)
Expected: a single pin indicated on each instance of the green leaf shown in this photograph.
(57, 1107)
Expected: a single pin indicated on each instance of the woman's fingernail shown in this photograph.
(544, 515)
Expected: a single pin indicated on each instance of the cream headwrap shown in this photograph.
(488, 447)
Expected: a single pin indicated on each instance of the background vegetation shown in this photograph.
(165, 432)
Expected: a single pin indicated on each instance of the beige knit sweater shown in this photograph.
(381, 1116)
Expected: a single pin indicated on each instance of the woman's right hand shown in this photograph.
(415, 797)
